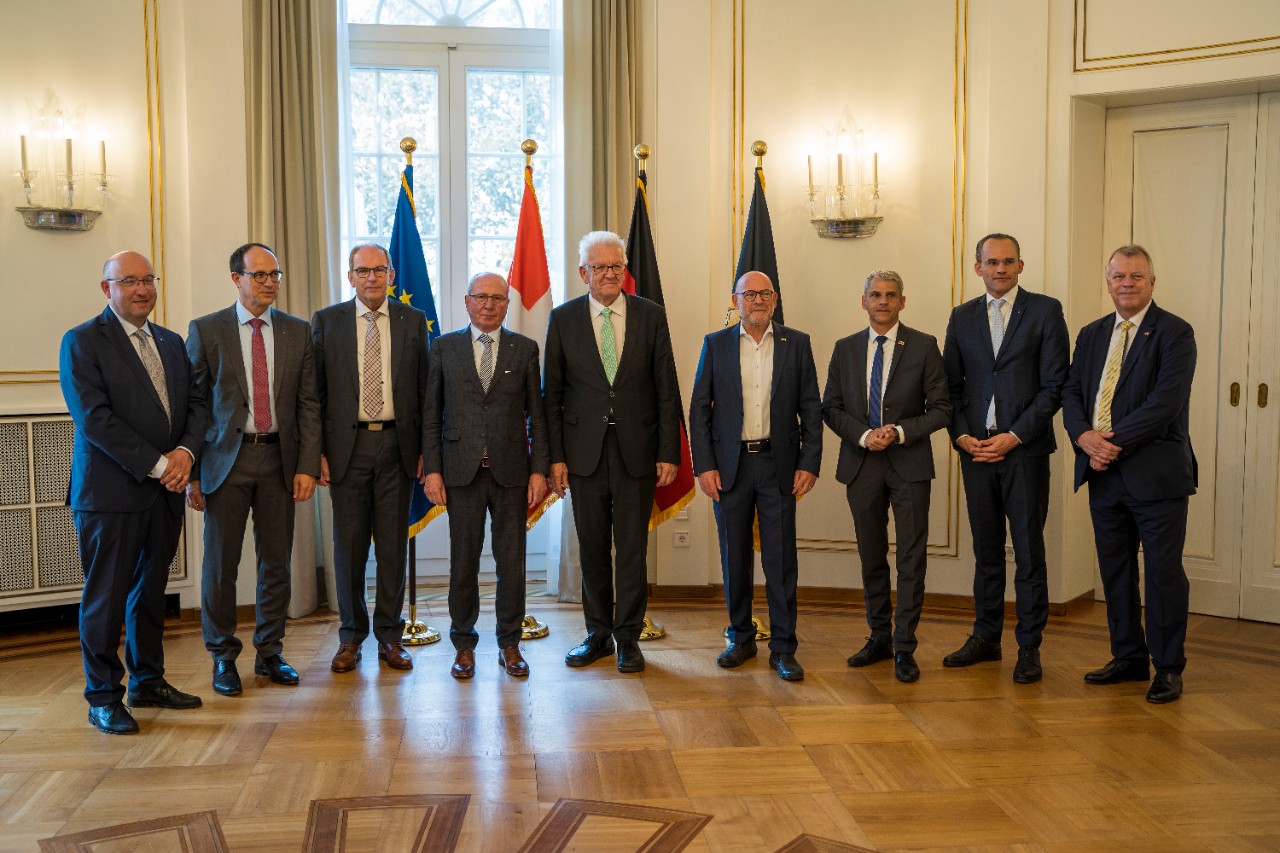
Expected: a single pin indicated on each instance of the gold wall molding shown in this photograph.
(1083, 62)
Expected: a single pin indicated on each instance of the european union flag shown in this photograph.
(414, 288)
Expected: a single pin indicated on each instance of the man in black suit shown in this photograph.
(486, 442)
(1126, 407)
(1006, 357)
(755, 432)
(371, 372)
(886, 394)
(140, 422)
(254, 365)
(613, 423)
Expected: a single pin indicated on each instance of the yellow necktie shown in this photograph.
(1111, 376)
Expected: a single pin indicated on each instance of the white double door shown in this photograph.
(1198, 184)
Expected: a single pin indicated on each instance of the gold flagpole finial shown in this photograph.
(642, 153)
(408, 145)
(758, 149)
(529, 147)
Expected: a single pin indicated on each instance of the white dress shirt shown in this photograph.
(383, 322)
(477, 348)
(619, 318)
(243, 316)
(756, 362)
(1116, 337)
(890, 349)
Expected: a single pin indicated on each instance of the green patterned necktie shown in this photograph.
(608, 345)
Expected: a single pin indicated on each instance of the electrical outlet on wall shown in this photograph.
(680, 539)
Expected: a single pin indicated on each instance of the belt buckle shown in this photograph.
(376, 426)
(484, 461)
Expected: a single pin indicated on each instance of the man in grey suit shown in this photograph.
(1006, 357)
(262, 453)
(886, 394)
(613, 424)
(485, 441)
(371, 369)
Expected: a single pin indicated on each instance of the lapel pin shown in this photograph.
(902, 342)
(783, 339)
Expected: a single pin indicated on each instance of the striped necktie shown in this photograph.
(1111, 377)
(608, 345)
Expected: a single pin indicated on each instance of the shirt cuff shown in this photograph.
(157, 470)
(902, 436)
(862, 442)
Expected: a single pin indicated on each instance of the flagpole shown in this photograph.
(416, 633)
(649, 629)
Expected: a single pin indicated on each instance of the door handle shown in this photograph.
(1235, 393)
(1262, 396)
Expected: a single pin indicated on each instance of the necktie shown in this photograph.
(1111, 376)
(486, 362)
(608, 345)
(261, 384)
(151, 361)
(877, 384)
(997, 337)
(371, 397)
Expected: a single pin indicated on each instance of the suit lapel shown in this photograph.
(1015, 319)
(781, 355)
(503, 358)
(1138, 341)
(1098, 359)
(284, 344)
(128, 353)
(588, 337)
(346, 348)
(859, 368)
(227, 337)
(631, 333)
(899, 348)
(982, 330)
(171, 358)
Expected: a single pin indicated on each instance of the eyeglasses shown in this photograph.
(134, 281)
(261, 277)
(364, 272)
(488, 300)
(604, 269)
(757, 295)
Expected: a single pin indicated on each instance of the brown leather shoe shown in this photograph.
(513, 662)
(347, 657)
(395, 656)
(464, 664)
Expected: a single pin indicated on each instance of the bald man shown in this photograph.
(140, 423)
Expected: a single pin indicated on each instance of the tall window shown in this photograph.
(469, 81)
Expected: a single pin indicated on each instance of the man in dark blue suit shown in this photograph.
(139, 425)
(1006, 356)
(1125, 407)
(755, 431)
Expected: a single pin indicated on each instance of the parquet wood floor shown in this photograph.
(718, 760)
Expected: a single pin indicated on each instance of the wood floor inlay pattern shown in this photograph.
(684, 756)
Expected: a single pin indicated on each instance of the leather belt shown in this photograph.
(260, 438)
(758, 446)
(375, 426)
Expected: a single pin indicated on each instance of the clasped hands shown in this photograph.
(993, 449)
(881, 437)
(1100, 449)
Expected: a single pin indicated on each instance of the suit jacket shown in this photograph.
(336, 347)
(213, 343)
(795, 409)
(1149, 411)
(644, 399)
(1026, 376)
(121, 430)
(462, 419)
(915, 397)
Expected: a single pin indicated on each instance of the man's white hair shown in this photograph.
(600, 238)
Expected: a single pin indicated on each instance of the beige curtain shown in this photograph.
(292, 97)
(615, 105)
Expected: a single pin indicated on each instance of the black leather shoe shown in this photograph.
(589, 650)
(974, 650)
(1027, 670)
(113, 719)
(630, 658)
(1165, 687)
(1118, 670)
(875, 650)
(905, 667)
(737, 654)
(226, 680)
(789, 669)
(275, 668)
(161, 694)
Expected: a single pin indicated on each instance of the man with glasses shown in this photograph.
(485, 443)
(371, 368)
(140, 422)
(1006, 357)
(253, 363)
(755, 430)
(613, 420)
(886, 394)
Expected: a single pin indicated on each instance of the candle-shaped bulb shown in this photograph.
(875, 170)
(102, 156)
(24, 153)
(839, 169)
(808, 157)
(69, 170)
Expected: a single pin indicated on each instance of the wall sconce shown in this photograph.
(849, 205)
(56, 201)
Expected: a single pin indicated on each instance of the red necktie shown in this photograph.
(261, 385)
